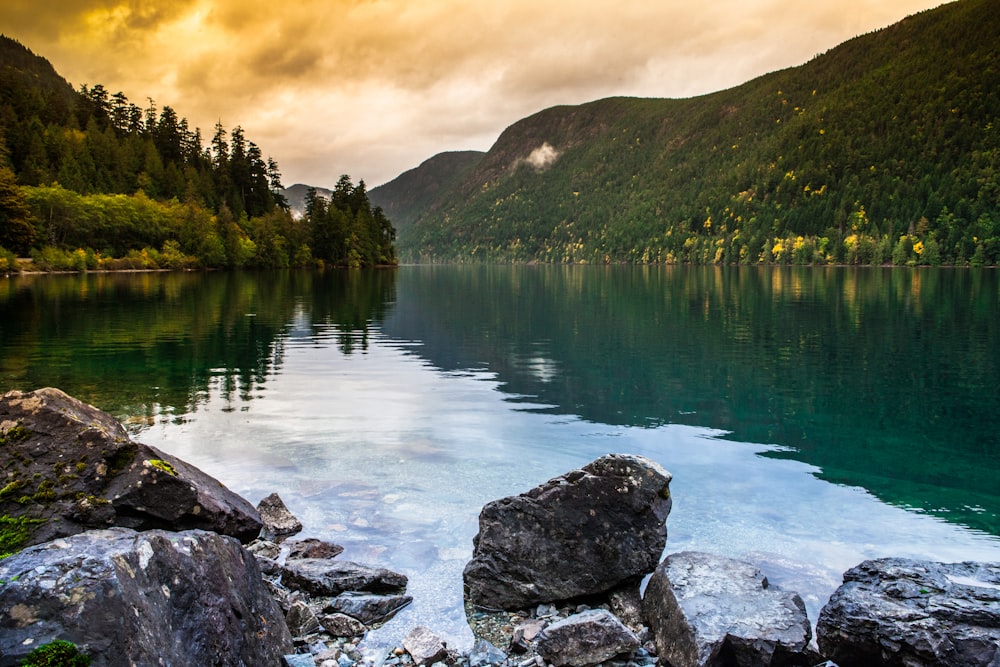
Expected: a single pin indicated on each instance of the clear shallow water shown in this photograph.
(386, 409)
(393, 459)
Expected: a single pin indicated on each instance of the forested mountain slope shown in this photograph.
(884, 149)
(419, 188)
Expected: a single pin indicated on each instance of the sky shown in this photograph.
(372, 88)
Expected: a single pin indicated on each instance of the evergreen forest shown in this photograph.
(90, 180)
(883, 150)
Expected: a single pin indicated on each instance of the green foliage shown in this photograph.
(58, 653)
(346, 231)
(14, 434)
(96, 182)
(16, 230)
(15, 531)
(849, 152)
(162, 465)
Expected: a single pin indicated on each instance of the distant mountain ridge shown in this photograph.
(418, 189)
(295, 195)
(884, 149)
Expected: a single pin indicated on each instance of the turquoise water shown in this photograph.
(812, 418)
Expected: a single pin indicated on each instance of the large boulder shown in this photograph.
(579, 534)
(897, 611)
(151, 598)
(708, 610)
(69, 467)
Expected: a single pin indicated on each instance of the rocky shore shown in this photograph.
(138, 558)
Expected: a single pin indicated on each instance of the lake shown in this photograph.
(811, 417)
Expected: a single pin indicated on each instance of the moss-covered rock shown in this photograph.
(66, 467)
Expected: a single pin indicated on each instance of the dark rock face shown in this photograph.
(896, 611)
(579, 534)
(327, 577)
(709, 610)
(127, 598)
(69, 467)
(312, 548)
(367, 607)
(158, 490)
(588, 638)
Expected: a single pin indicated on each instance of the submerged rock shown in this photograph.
(897, 611)
(708, 610)
(579, 534)
(128, 598)
(425, 647)
(70, 467)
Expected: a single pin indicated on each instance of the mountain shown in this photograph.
(417, 189)
(295, 195)
(20, 68)
(885, 148)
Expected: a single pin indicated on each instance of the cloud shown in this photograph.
(542, 157)
(374, 87)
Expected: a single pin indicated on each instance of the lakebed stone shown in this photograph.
(68, 467)
(709, 610)
(587, 638)
(579, 534)
(897, 611)
(129, 598)
(424, 646)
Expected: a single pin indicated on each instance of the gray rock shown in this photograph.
(320, 576)
(342, 625)
(301, 620)
(265, 549)
(298, 660)
(71, 467)
(579, 534)
(897, 611)
(312, 548)
(368, 608)
(709, 610)
(587, 638)
(484, 653)
(424, 646)
(278, 520)
(128, 598)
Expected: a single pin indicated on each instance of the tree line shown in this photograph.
(90, 180)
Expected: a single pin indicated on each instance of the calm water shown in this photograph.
(812, 418)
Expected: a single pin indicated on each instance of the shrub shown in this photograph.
(58, 653)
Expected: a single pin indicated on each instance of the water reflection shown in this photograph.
(141, 345)
(882, 378)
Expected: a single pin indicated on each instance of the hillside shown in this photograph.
(90, 180)
(418, 189)
(884, 149)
